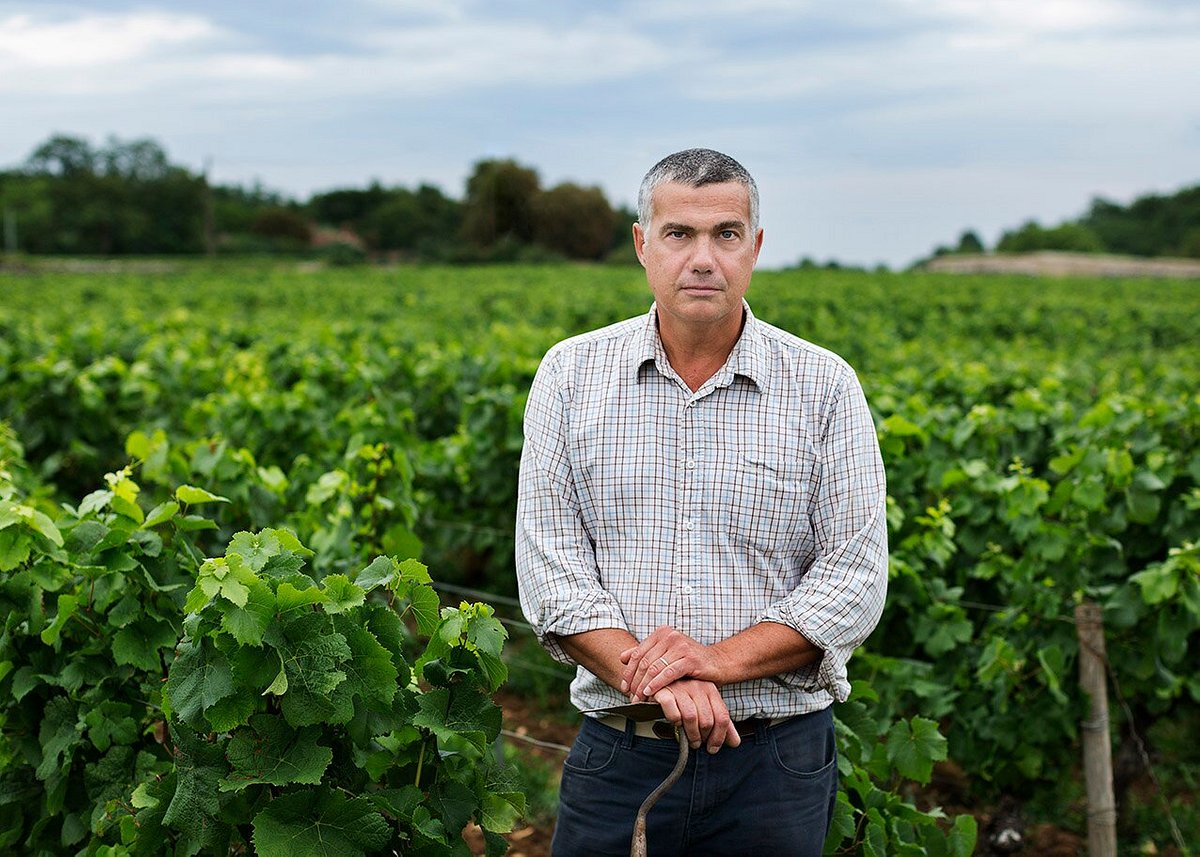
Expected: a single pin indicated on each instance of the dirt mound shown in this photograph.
(1062, 264)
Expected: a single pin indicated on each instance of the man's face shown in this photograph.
(699, 253)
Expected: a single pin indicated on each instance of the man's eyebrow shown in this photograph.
(729, 224)
(677, 227)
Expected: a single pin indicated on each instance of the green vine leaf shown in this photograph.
(319, 823)
(272, 752)
(341, 595)
(381, 572)
(913, 749)
(191, 495)
(138, 644)
(248, 622)
(200, 676)
(465, 713)
(199, 766)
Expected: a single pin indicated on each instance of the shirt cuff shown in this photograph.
(830, 671)
(564, 617)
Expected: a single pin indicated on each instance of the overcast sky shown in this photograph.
(876, 129)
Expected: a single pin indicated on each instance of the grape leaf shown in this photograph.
(381, 572)
(199, 766)
(138, 644)
(319, 823)
(58, 733)
(199, 677)
(160, 514)
(192, 495)
(425, 606)
(270, 751)
(370, 672)
(249, 622)
(467, 713)
(341, 594)
(255, 548)
(913, 750)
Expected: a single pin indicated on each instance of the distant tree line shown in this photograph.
(1152, 225)
(126, 197)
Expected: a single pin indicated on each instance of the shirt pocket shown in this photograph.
(770, 502)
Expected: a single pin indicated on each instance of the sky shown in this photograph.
(876, 130)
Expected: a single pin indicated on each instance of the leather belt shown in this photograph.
(663, 730)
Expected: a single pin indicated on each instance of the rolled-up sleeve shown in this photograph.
(840, 598)
(557, 576)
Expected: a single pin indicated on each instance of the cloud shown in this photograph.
(96, 40)
(425, 57)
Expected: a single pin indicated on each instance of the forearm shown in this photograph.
(762, 650)
(599, 652)
(667, 655)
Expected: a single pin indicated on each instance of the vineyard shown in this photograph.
(239, 502)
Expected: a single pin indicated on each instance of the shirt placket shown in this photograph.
(688, 466)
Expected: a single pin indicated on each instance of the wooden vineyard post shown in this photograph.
(1097, 745)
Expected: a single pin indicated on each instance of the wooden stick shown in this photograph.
(1097, 743)
(638, 846)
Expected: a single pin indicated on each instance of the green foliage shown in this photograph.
(266, 707)
(876, 757)
(1030, 237)
(1040, 439)
(575, 221)
(124, 197)
(499, 203)
(1152, 225)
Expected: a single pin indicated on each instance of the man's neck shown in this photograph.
(697, 354)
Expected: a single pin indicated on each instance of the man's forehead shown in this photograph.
(725, 197)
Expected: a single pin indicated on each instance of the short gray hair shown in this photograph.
(695, 168)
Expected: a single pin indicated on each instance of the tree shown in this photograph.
(499, 203)
(1031, 236)
(123, 198)
(62, 156)
(574, 221)
(969, 242)
(283, 226)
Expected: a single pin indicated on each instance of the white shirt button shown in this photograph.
(689, 525)
(690, 464)
(686, 589)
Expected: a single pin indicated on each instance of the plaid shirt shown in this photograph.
(758, 498)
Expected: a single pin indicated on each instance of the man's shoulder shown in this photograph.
(584, 348)
(784, 346)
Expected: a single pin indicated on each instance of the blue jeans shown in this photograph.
(771, 797)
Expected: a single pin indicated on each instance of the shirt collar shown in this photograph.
(748, 357)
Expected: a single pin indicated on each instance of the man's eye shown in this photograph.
(676, 234)
(728, 234)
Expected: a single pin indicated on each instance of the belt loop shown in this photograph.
(630, 733)
(761, 724)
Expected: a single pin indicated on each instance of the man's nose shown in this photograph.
(702, 255)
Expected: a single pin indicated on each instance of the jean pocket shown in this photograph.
(590, 754)
(805, 753)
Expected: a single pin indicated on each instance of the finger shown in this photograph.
(670, 708)
(688, 717)
(694, 720)
(635, 657)
(653, 662)
(668, 670)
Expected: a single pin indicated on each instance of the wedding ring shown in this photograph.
(665, 662)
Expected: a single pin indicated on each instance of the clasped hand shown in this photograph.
(681, 675)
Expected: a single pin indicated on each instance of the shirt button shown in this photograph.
(689, 525)
(691, 464)
(686, 589)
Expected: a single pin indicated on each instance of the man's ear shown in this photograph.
(639, 243)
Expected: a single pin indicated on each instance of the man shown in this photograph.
(701, 523)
